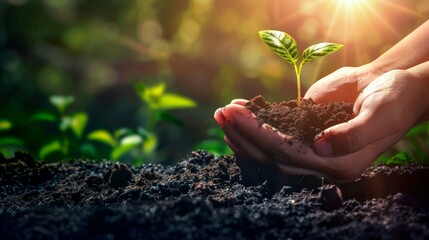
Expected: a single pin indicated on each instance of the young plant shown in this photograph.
(121, 142)
(8, 144)
(158, 102)
(287, 48)
(142, 143)
(70, 127)
(215, 143)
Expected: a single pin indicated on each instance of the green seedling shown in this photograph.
(157, 102)
(215, 143)
(8, 144)
(286, 47)
(121, 141)
(70, 127)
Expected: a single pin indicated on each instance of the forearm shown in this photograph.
(422, 73)
(410, 51)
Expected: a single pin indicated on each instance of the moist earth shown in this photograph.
(205, 196)
(303, 122)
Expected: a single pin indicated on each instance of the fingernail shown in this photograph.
(323, 147)
(219, 117)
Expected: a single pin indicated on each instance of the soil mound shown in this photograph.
(304, 122)
(204, 197)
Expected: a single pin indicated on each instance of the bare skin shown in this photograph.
(389, 99)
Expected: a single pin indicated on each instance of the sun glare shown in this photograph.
(350, 3)
(366, 27)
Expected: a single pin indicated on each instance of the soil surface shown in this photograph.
(205, 197)
(303, 122)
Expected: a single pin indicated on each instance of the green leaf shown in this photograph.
(143, 132)
(165, 116)
(174, 101)
(102, 136)
(11, 141)
(214, 146)
(126, 145)
(140, 89)
(61, 102)
(88, 150)
(131, 140)
(282, 44)
(43, 116)
(402, 158)
(216, 132)
(78, 123)
(150, 144)
(65, 123)
(49, 148)
(122, 132)
(319, 50)
(419, 129)
(150, 95)
(5, 125)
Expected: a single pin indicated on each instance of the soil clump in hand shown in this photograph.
(303, 122)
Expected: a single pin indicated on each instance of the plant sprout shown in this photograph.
(286, 47)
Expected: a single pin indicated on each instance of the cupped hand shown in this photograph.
(385, 110)
(344, 84)
(253, 141)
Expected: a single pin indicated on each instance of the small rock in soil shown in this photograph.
(331, 197)
(118, 175)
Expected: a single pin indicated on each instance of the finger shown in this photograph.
(345, 138)
(263, 141)
(350, 167)
(243, 146)
(241, 102)
(244, 150)
(219, 116)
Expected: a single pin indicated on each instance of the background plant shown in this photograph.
(200, 48)
(287, 48)
(8, 144)
(144, 141)
(68, 138)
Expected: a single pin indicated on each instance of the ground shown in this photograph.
(205, 197)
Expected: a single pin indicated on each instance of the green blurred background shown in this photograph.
(207, 50)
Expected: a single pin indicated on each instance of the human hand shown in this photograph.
(252, 141)
(344, 84)
(385, 110)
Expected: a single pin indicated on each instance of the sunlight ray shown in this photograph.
(319, 64)
(300, 12)
(382, 20)
(357, 44)
(402, 9)
(331, 25)
(366, 18)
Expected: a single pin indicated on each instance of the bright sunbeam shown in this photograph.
(350, 3)
(366, 27)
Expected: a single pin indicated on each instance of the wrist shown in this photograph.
(368, 73)
(421, 73)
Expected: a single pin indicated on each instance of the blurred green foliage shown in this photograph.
(411, 149)
(207, 50)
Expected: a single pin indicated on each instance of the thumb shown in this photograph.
(348, 137)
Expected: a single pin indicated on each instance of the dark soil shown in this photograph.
(303, 122)
(205, 197)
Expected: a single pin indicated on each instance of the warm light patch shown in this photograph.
(351, 3)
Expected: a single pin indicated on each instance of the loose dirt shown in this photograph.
(303, 122)
(205, 197)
